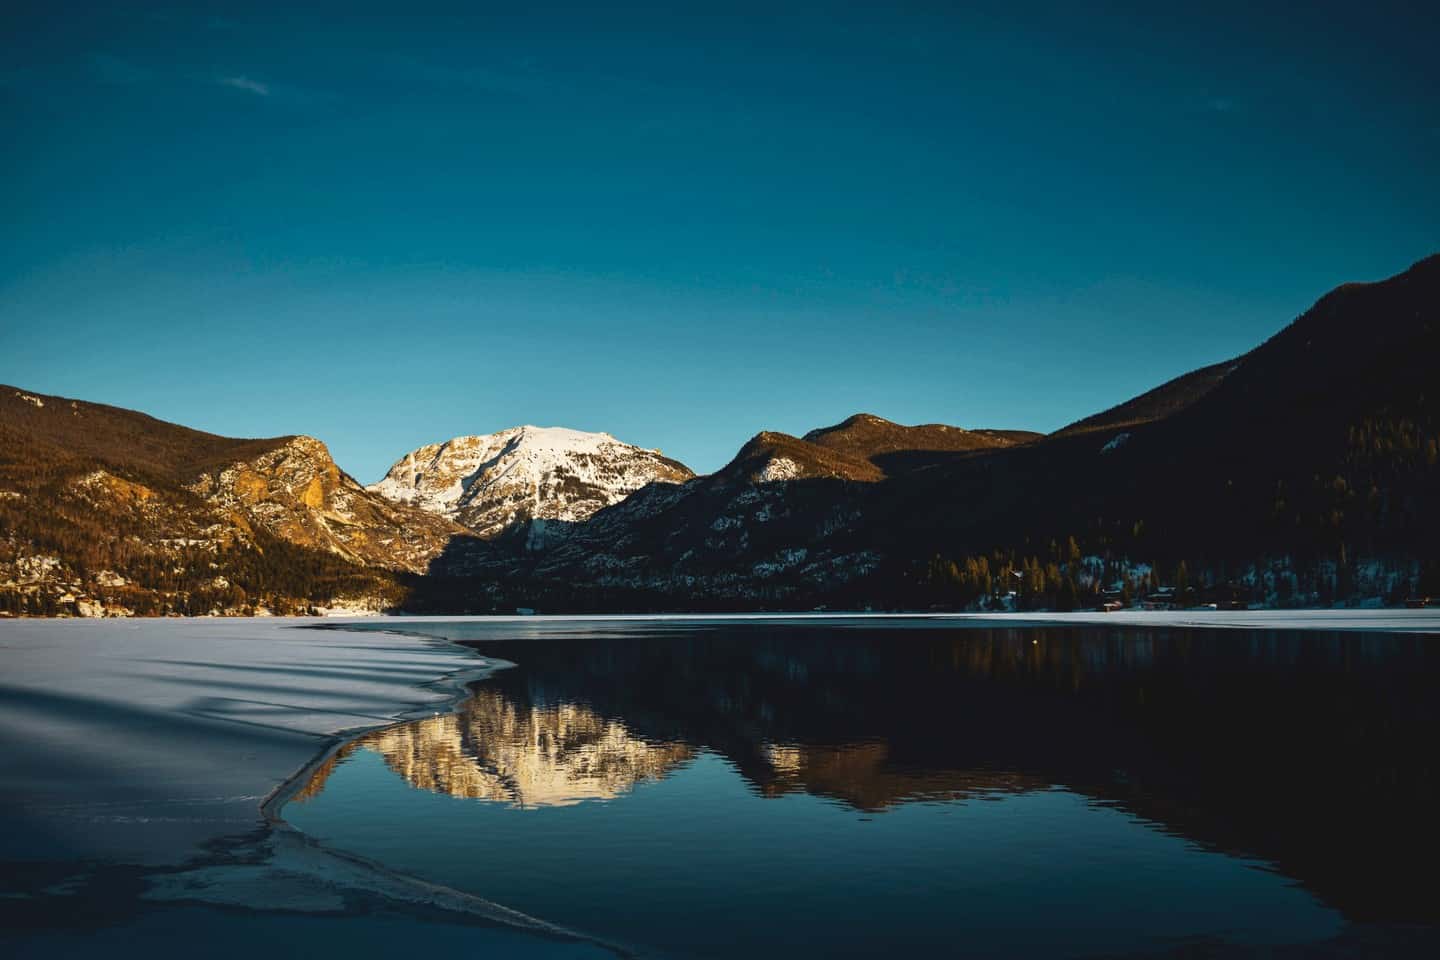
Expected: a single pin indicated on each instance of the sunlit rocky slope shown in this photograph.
(533, 480)
(104, 510)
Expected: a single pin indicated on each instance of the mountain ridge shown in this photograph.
(1293, 473)
(1304, 470)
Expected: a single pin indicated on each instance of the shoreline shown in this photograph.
(154, 714)
(458, 681)
(164, 752)
(1378, 620)
(394, 884)
(361, 616)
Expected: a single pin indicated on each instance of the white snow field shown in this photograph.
(143, 740)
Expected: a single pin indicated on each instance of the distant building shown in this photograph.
(1161, 598)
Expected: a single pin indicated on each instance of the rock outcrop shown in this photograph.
(535, 480)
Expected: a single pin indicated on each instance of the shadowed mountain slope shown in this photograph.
(1318, 448)
(1321, 438)
(1156, 404)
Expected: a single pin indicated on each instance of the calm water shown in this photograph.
(792, 790)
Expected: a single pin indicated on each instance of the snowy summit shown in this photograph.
(493, 482)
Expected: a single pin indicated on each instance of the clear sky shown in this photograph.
(389, 224)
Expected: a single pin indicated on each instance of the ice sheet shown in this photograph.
(142, 741)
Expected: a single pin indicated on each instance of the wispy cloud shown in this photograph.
(245, 84)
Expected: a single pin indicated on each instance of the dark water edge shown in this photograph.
(269, 892)
(378, 928)
(1307, 752)
(106, 921)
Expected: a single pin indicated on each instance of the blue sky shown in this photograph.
(385, 225)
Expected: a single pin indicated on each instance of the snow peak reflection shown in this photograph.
(524, 756)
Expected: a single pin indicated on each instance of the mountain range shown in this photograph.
(1304, 471)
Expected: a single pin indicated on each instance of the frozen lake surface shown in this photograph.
(144, 740)
(138, 755)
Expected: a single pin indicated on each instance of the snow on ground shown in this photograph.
(143, 740)
(1368, 620)
(779, 469)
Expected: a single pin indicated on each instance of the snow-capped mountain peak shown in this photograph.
(492, 482)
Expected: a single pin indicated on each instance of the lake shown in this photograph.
(841, 788)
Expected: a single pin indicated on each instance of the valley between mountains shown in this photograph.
(1302, 473)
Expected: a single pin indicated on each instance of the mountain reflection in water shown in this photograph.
(526, 756)
(1310, 752)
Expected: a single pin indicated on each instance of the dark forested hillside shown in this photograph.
(1302, 472)
(1317, 448)
(1170, 397)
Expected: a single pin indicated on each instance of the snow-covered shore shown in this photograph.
(146, 740)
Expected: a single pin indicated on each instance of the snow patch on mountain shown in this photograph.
(779, 469)
(493, 482)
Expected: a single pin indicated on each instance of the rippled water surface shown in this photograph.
(795, 790)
